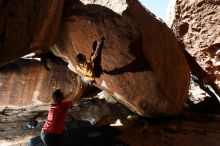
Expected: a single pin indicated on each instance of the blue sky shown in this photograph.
(158, 7)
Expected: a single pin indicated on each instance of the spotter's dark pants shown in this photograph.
(51, 139)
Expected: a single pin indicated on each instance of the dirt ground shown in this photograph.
(194, 126)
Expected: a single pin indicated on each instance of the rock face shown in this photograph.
(26, 81)
(196, 25)
(146, 70)
(26, 26)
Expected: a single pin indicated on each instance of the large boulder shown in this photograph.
(28, 81)
(146, 69)
(196, 25)
(27, 26)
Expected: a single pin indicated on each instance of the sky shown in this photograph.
(158, 7)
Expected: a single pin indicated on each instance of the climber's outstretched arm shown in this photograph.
(98, 48)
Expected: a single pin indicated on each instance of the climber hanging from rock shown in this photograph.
(90, 68)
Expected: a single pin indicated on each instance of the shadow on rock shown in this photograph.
(93, 136)
(83, 133)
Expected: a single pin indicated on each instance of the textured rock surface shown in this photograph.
(197, 26)
(27, 82)
(26, 26)
(140, 53)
